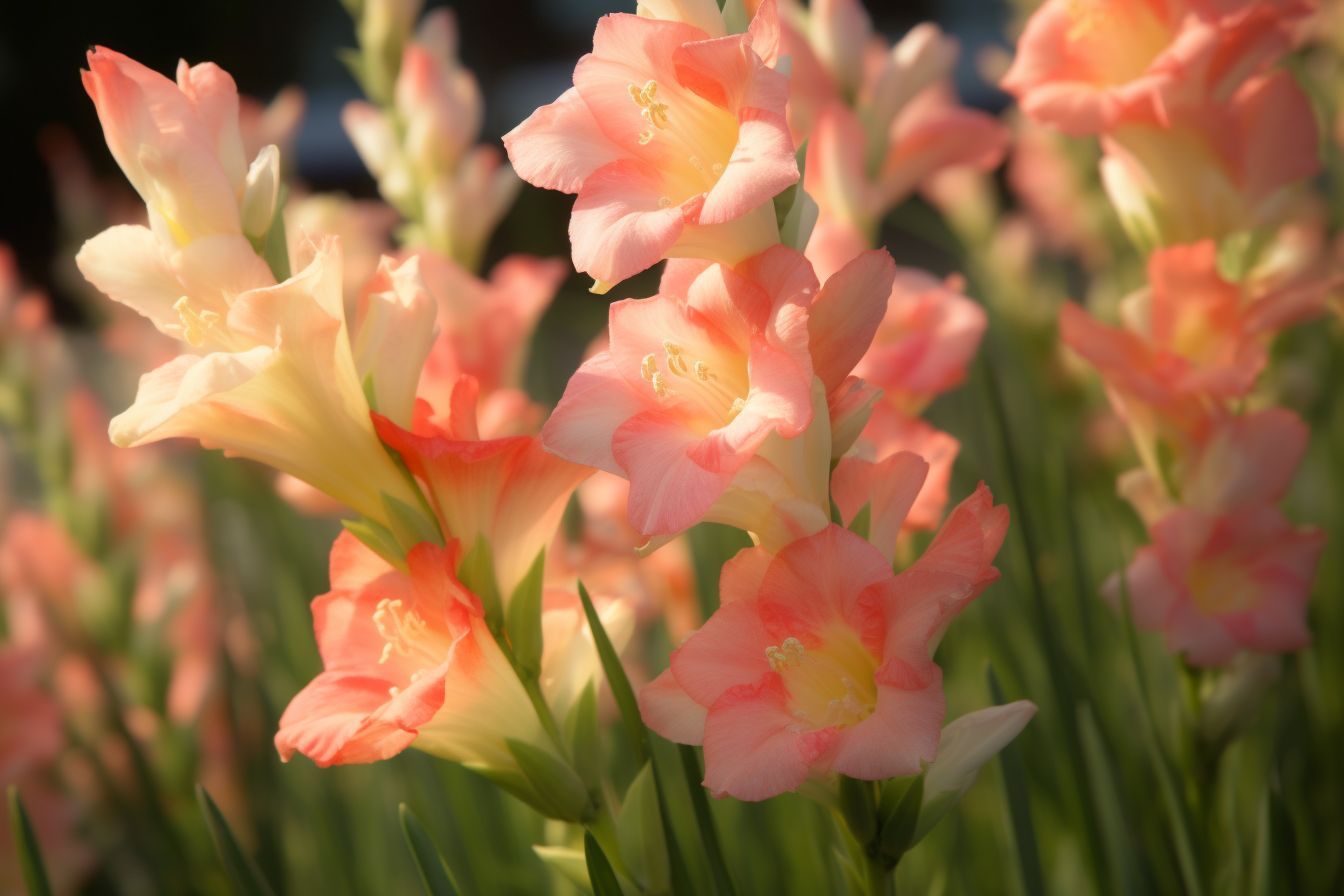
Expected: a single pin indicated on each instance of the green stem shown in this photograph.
(878, 876)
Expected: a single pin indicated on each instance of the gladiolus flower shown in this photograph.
(484, 326)
(1083, 66)
(1215, 168)
(508, 491)
(819, 659)
(881, 472)
(1219, 584)
(181, 148)
(409, 661)
(705, 397)
(277, 382)
(925, 342)
(674, 141)
(1191, 339)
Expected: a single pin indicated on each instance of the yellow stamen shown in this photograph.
(652, 111)
(195, 325)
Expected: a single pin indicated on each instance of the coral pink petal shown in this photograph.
(670, 711)
(752, 750)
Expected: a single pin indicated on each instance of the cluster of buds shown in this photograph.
(1207, 143)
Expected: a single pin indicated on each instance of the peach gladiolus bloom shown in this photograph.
(1212, 168)
(1220, 584)
(276, 380)
(819, 659)
(880, 471)
(926, 340)
(674, 141)
(1191, 339)
(508, 491)
(1082, 66)
(485, 328)
(409, 661)
(181, 148)
(701, 398)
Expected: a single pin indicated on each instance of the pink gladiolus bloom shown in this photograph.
(508, 491)
(181, 148)
(675, 143)
(926, 341)
(1082, 66)
(904, 496)
(1191, 339)
(700, 397)
(1220, 584)
(894, 126)
(1212, 168)
(409, 661)
(819, 660)
(484, 330)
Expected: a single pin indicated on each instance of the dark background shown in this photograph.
(522, 51)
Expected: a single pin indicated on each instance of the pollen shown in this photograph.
(648, 368)
(659, 387)
(650, 109)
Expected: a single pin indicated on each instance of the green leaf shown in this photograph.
(434, 874)
(247, 880)
(1019, 809)
(600, 875)
(621, 690)
(898, 828)
(29, 853)
(562, 795)
(862, 523)
(704, 820)
(524, 619)
(581, 735)
(858, 808)
(1106, 796)
(477, 572)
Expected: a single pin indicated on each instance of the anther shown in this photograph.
(659, 387)
(648, 368)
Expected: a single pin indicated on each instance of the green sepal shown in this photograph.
(581, 736)
(377, 538)
(435, 876)
(898, 828)
(858, 808)
(639, 834)
(523, 619)
(273, 246)
(559, 791)
(411, 520)
(477, 572)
